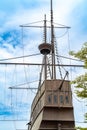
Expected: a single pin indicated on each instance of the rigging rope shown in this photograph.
(31, 23)
(56, 51)
(48, 67)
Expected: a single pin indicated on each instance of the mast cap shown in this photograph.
(45, 48)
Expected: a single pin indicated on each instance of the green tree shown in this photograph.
(79, 128)
(80, 82)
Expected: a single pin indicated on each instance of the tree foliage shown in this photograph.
(80, 82)
(79, 128)
(81, 54)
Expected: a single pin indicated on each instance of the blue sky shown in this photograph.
(18, 12)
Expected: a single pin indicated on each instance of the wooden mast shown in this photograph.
(52, 43)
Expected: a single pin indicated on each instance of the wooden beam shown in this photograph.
(33, 64)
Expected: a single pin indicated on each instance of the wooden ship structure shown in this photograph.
(52, 107)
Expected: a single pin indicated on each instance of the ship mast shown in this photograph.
(45, 49)
(45, 41)
(52, 43)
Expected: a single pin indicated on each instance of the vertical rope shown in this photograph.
(25, 71)
(56, 50)
(48, 67)
(11, 100)
(15, 85)
(5, 88)
(69, 47)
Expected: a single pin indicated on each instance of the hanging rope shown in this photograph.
(48, 68)
(56, 51)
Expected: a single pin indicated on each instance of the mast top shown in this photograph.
(45, 48)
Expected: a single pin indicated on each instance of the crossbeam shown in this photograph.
(18, 120)
(43, 26)
(33, 64)
(21, 88)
